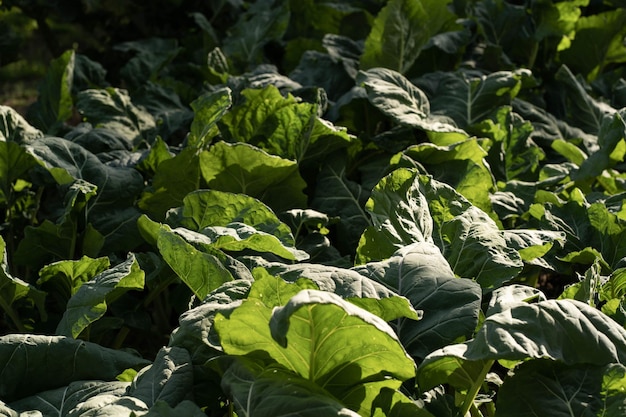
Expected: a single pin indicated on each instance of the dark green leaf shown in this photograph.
(260, 24)
(467, 98)
(541, 388)
(174, 179)
(337, 195)
(27, 367)
(279, 393)
(450, 305)
(113, 109)
(582, 110)
(62, 401)
(169, 378)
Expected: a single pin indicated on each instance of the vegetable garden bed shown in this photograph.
(365, 208)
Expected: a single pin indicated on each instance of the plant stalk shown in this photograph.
(475, 388)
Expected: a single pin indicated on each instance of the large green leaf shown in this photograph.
(612, 148)
(246, 169)
(67, 276)
(399, 216)
(469, 239)
(401, 30)
(395, 96)
(68, 162)
(151, 55)
(513, 155)
(90, 302)
(245, 121)
(462, 165)
(408, 208)
(322, 338)
(525, 331)
(550, 388)
(450, 306)
(597, 43)
(65, 238)
(208, 208)
(28, 368)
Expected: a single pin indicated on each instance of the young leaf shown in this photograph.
(27, 369)
(208, 110)
(330, 337)
(89, 303)
(518, 333)
(235, 222)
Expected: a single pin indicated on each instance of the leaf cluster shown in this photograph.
(372, 208)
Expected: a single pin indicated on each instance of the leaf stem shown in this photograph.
(473, 391)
